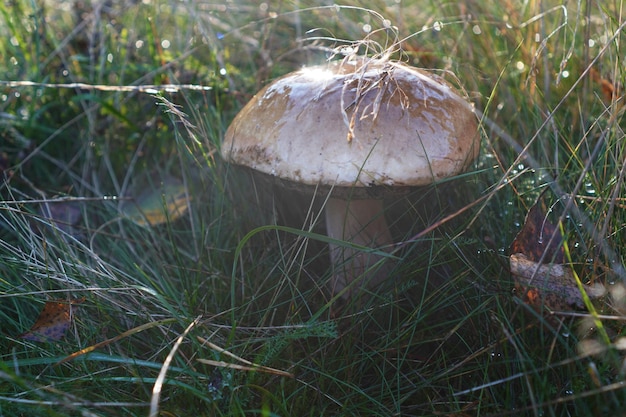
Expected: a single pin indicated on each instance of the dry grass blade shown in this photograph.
(158, 384)
(113, 339)
(147, 88)
(249, 366)
(252, 368)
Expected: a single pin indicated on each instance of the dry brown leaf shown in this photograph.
(549, 284)
(158, 205)
(534, 237)
(53, 321)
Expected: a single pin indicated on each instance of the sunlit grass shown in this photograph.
(247, 265)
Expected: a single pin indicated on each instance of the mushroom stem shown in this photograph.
(361, 222)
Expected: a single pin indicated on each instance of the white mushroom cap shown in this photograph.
(355, 124)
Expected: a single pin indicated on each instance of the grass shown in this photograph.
(237, 268)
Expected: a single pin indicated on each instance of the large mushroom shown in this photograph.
(357, 129)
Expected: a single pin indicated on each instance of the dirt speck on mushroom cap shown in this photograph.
(368, 123)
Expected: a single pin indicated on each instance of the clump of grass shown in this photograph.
(446, 337)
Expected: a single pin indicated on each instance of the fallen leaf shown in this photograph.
(53, 321)
(158, 205)
(537, 231)
(611, 91)
(549, 284)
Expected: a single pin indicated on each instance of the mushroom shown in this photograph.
(357, 129)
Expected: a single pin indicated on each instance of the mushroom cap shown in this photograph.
(364, 123)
